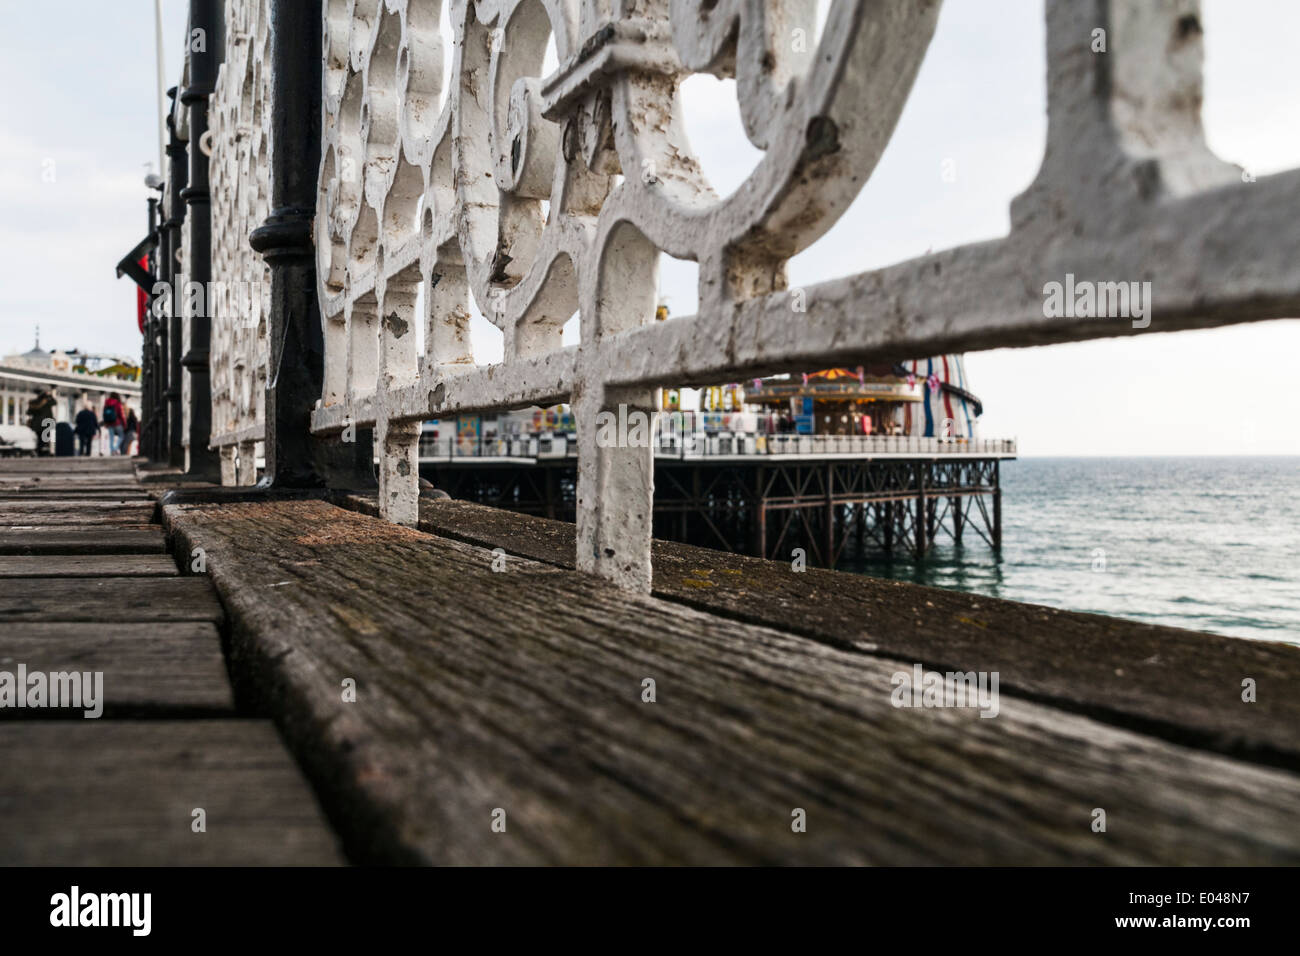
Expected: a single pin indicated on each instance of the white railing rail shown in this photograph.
(541, 196)
(696, 446)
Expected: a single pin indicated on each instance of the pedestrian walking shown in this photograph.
(114, 419)
(40, 411)
(86, 427)
(130, 432)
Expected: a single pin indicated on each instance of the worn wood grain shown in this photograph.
(113, 515)
(108, 599)
(69, 485)
(61, 503)
(122, 793)
(24, 494)
(521, 689)
(63, 466)
(87, 566)
(1183, 685)
(76, 596)
(70, 540)
(43, 472)
(151, 669)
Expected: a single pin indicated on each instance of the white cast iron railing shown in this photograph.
(241, 288)
(542, 196)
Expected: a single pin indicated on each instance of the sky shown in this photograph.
(77, 132)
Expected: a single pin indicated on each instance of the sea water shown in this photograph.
(1211, 544)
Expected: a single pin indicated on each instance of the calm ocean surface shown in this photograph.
(1211, 544)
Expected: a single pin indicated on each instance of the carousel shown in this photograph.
(835, 401)
(925, 398)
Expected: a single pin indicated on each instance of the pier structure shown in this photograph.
(788, 465)
(433, 666)
(760, 495)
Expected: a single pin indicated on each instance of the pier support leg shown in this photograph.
(829, 559)
(550, 492)
(697, 504)
(922, 518)
(997, 506)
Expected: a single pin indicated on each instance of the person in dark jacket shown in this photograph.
(86, 427)
(40, 410)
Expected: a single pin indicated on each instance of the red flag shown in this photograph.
(142, 297)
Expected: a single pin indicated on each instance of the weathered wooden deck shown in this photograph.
(502, 679)
(86, 584)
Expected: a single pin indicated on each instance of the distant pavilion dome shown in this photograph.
(36, 353)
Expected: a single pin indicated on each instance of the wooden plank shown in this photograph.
(108, 599)
(122, 793)
(83, 541)
(68, 483)
(1181, 684)
(521, 690)
(59, 503)
(22, 495)
(87, 566)
(113, 515)
(39, 471)
(60, 466)
(64, 520)
(170, 668)
(30, 492)
(57, 467)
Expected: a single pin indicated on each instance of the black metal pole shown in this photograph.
(157, 425)
(206, 50)
(177, 179)
(294, 458)
(149, 352)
